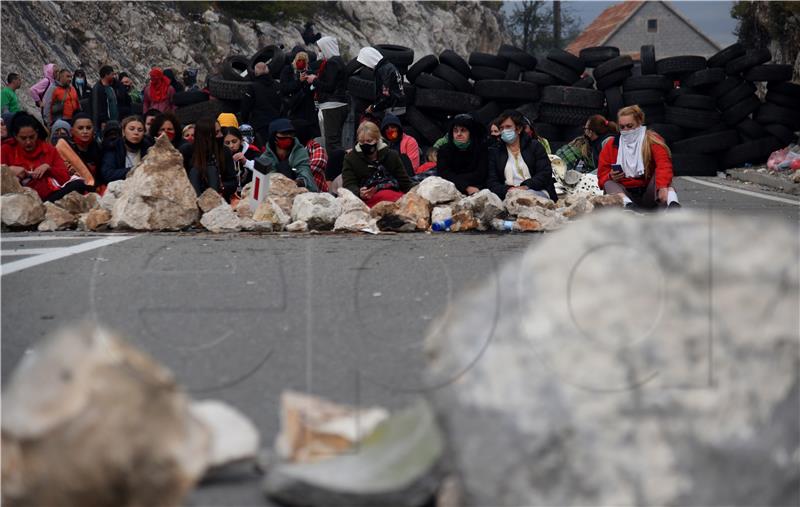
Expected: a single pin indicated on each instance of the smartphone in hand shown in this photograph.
(616, 168)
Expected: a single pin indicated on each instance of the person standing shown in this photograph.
(331, 88)
(158, 93)
(40, 87)
(297, 90)
(104, 99)
(9, 103)
(81, 84)
(261, 103)
(61, 100)
(389, 92)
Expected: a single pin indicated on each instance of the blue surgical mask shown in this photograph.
(508, 135)
(79, 81)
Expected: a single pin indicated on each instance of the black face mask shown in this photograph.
(368, 149)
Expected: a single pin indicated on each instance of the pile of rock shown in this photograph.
(157, 196)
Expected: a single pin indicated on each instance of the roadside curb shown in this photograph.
(774, 182)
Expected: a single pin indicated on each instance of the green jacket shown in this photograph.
(9, 103)
(355, 169)
(298, 160)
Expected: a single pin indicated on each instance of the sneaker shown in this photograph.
(674, 205)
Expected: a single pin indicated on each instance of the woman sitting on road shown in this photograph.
(168, 124)
(463, 159)
(521, 164)
(126, 152)
(208, 163)
(372, 170)
(83, 143)
(284, 154)
(244, 155)
(637, 164)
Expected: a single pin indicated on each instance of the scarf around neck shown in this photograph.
(629, 155)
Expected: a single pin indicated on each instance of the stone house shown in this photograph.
(630, 25)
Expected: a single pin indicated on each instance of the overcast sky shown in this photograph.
(713, 18)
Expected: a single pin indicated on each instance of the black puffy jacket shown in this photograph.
(261, 102)
(389, 90)
(535, 157)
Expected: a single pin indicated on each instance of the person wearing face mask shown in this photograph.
(126, 94)
(188, 133)
(285, 155)
(582, 153)
(83, 143)
(126, 152)
(168, 124)
(463, 160)
(389, 92)
(405, 145)
(81, 84)
(372, 170)
(59, 130)
(244, 156)
(493, 140)
(521, 163)
(638, 164)
(261, 102)
(190, 80)
(158, 94)
(297, 85)
(60, 102)
(331, 93)
(317, 155)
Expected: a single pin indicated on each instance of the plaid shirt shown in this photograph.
(571, 153)
(318, 160)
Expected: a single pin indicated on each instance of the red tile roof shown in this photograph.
(603, 26)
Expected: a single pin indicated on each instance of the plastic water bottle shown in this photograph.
(442, 225)
(502, 225)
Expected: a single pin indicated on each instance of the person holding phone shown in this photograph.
(297, 91)
(638, 164)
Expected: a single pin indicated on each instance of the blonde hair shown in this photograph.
(651, 138)
(301, 55)
(368, 129)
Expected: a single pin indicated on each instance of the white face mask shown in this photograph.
(632, 133)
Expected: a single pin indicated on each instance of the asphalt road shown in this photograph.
(242, 318)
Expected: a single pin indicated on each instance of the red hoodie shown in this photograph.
(13, 154)
(661, 159)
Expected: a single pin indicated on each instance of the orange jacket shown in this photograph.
(662, 169)
(55, 95)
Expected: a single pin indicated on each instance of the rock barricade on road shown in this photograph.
(56, 219)
(21, 210)
(318, 210)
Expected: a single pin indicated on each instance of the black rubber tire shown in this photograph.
(594, 56)
(529, 110)
(647, 55)
(648, 82)
(722, 58)
(424, 64)
(190, 114)
(273, 55)
(741, 110)
(571, 96)
(753, 152)
(694, 164)
(564, 75)
(614, 101)
(691, 118)
(366, 73)
(695, 101)
(789, 89)
(612, 66)
(749, 60)
(614, 79)
(704, 79)
(448, 101)
(410, 92)
(751, 129)
(227, 90)
(481, 73)
(781, 132)
(770, 113)
(670, 133)
(427, 128)
(477, 59)
(453, 77)
(653, 113)
(547, 130)
(400, 56)
(361, 88)
(539, 78)
(567, 59)
(507, 90)
(513, 72)
(642, 97)
(566, 115)
(675, 65)
(570, 132)
(351, 67)
(584, 82)
(487, 113)
(725, 86)
(738, 94)
(769, 72)
(518, 56)
(451, 58)
(236, 68)
(783, 100)
(673, 94)
(708, 143)
(181, 99)
(433, 83)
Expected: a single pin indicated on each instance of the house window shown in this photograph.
(652, 25)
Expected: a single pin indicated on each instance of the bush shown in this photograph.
(271, 11)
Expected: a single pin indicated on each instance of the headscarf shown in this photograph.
(329, 47)
(159, 85)
(59, 125)
(369, 57)
(629, 155)
(227, 120)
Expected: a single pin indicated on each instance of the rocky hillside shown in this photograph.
(133, 36)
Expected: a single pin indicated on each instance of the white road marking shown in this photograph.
(28, 251)
(741, 191)
(19, 239)
(51, 254)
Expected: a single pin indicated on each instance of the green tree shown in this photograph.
(763, 23)
(531, 25)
